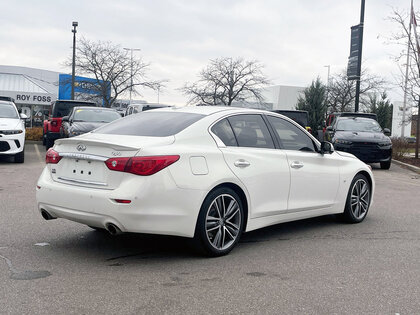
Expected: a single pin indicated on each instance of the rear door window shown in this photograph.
(251, 131)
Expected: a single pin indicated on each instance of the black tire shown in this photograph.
(358, 201)
(20, 157)
(386, 165)
(49, 143)
(228, 225)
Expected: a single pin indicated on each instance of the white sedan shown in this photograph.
(209, 173)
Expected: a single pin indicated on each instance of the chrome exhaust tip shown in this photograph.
(113, 229)
(46, 215)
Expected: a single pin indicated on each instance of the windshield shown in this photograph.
(8, 111)
(95, 115)
(357, 124)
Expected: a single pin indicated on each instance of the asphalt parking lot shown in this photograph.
(316, 266)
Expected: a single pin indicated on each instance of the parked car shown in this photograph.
(137, 108)
(364, 138)
(12, 131)
(300, 116)
(85, 119)
(52, 125)
(209, 173)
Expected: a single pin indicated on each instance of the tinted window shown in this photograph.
(291, 137)
(151, 124)
(64, 108)
(224, 131)
(251, 131)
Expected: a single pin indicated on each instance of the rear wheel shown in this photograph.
(386, 165)
(20, 157)
(358, 200)
(220, 222)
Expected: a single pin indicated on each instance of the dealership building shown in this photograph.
(33, 90)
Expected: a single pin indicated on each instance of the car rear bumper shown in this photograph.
(157, 207)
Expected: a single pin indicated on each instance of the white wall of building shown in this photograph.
(283, 96)
(397, 119)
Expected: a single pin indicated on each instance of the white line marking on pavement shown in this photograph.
(39, 154)
(42, 244)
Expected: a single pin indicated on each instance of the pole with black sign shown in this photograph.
(73, 66)
(354, 67)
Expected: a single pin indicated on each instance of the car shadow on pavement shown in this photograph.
(117, 249)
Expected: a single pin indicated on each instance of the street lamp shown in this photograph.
(131, 76)
(328, 86)
(73, 66)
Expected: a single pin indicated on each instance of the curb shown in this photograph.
(410, 167)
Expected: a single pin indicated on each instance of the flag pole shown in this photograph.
(406, 73)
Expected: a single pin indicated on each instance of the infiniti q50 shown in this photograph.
(208, 173)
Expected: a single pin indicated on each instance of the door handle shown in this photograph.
(241, 163)
(296, 164)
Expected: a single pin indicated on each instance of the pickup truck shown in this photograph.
(58, 110)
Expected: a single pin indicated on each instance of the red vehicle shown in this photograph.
(52, 125)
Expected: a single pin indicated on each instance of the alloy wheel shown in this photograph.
(360, 199)
(223, 221)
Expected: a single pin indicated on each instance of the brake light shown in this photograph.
(141, 165)
(52, 157)
(117, 164)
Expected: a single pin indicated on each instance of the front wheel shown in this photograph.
(220, 222)
(358, 200)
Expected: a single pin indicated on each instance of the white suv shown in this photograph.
(12, 131)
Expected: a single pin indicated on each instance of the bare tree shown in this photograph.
(113, 70)
(403, 39)
(342, 92)
(226, 80)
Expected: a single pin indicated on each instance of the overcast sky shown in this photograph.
(294, 39)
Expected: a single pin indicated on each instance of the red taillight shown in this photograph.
(117, 164)
(126, 201)
(52, 157)
(141, 165)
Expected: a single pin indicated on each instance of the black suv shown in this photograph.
(362, 137)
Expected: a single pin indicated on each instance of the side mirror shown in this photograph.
(326, 147)
(65, 118)
(329, 128)
(387, 132)
(23, 116)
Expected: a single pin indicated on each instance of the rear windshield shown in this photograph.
(95, 115)
(64, 108)
(150, 124)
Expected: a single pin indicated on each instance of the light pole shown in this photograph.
(131, 73)
(328, 86)
(359, 66)
(73, 65)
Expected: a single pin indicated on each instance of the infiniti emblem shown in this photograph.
(81, 147)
